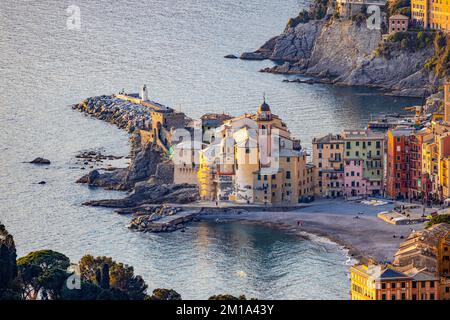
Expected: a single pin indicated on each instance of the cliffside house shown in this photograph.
(398, 23)
(349, 8)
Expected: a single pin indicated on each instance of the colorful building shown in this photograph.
(431, 14)
(383, 282)
(363, 163)
(328, 160)
(420, 270)
(399, 162)
(398, 23)
(254, 159)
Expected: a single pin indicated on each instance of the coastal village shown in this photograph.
(253, 161)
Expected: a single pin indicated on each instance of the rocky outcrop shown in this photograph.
(147, 221)
(294, 45)
(40, 161)
(345, 53)
(148, 193)
(144, 163)
(164, 173)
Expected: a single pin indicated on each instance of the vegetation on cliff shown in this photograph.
(399, 7)
(317, 11)
(442, 218)
(440, 62)
(405, 41)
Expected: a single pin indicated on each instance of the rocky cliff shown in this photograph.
(346, 52)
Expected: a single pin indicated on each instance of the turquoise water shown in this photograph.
(176, 47)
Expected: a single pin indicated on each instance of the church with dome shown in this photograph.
(254, 159)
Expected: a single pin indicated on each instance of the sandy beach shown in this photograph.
(365, 237)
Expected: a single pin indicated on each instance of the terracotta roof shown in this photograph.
(398, 16)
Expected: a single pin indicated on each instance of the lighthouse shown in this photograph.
(144, 93)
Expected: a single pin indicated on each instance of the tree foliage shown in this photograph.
(108, 274)
(43, 272)
(164, 294)
(442, 218)
(317, 11)
(8, 266)
(399, 7)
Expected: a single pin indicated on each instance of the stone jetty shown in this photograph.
(162, 219)
(125, 114)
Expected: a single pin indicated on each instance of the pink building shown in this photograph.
(354, 182)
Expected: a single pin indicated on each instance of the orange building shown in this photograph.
(431, 14)
(382, 282)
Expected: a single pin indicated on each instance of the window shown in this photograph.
(403, 285)
(348, 145)
(383, 286)
(383, 297)
(393, 285)
(414, 297)
(288, 174)
(423, 284)
(431, 296)
(393, 297)
(403, 296)
(431, 284)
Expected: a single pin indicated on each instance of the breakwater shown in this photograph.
(123, 113)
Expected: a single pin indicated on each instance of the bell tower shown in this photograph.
(144, 93)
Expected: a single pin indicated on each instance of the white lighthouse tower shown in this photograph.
(144, 93)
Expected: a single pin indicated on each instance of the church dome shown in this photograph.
(264, 107)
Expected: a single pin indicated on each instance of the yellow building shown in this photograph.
(328, 155)
(254, 159)
(431, 14)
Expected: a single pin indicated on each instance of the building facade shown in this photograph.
(431, 14)
(420, 270)
(328, 160)
(399, 162)
(398, 23)
(363, 163)
(254, 159)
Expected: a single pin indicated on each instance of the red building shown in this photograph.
(400, 162)
(404, 176)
